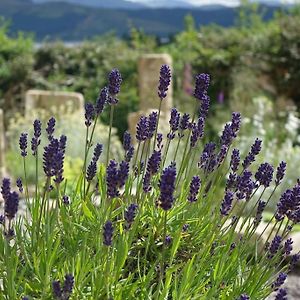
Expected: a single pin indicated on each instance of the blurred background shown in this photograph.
(251, 49)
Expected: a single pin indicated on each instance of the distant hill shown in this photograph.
(61, 20)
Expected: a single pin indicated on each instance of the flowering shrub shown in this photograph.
(143, 228)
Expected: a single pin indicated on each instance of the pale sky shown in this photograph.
(212, 2)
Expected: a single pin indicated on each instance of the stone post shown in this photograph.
(148, 78)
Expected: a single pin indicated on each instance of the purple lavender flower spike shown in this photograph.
(11, 205)
(260, 208)
(50, 128)
(280, 172)
(235, 160)
(264, 174)
(294, 260)
(123, 173)
(245, 185)
(126, 141)
(152, 119)
(194, 189)
(23, 144)
(281, 295)
(91, 171)
(275, 245)
(112, 179)
(5, 189)
(142, 129)
(174, 119)
(201, 86)
(288, 246)
(159, 139)
(115, 80)
(164, 81)
(35, 141)
(59, 157)
(250, 158)
(68, 286)
(101, 101)
(154, 162)
(89, 114)
(56, 289)
(226, 203)
(204, 108)
(146, 183)
(244, 297)
(184, 121)
(50, 156)
(279, 281)
(97, 152)
(167, 187)
(222, 154)
(129, 154)
(108, 231)
(231, 181)
(236, 122)
(130, 214)
(19, 184)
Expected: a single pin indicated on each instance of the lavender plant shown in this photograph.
(141, 227)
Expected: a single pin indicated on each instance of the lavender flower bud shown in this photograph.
(201, 86)
(129, 154)
(50, 128)
(288, 246)
(91, 171)
(123, 173)
(194, 189)
(152, 120)
(146, 182)
(68, 286)
(221, 155)
(164, 81)
(204, 108)
(130, 214)
(280, 172)
(167, 187)
(174, 119)
(112, 179)
(250, 158)
(66, 200)
(11, 205)
(279, 281)
(235, 160)
(5, 189)
(226, 203)
(101, 101)
(159, 139)
(168, 240)
(97, 152)
(281, 295)
(264, 174)
(19, 184)
(108, 231)
(185, 227)
(23, 144)
(115, 80)
(183, 125)
(126, 141)
(89, 114)
(56, 289)
(142, 129)
(154, 162)
(35, 141)
(260, 208)
(274, 247)
(244, 297)
(294, 260)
